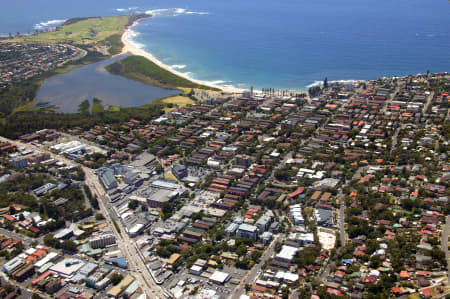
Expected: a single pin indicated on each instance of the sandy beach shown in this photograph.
(129, 47)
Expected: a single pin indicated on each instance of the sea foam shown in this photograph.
(132, 8)
(48, 24)
(178, 66)
(173, 12)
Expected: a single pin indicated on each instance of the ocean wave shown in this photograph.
(173, 12)
(140, 46)
(186, 74)
(320, 83)
(178, 66)
(48, 24)
(216, 82)
(132, 33)
(127, 9)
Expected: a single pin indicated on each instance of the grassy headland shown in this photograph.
(141, 69)
(92, 33)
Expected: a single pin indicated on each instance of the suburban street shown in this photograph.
(251, 274)
(444, 244)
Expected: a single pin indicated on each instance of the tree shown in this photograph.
(325, 83)
(132, 204)
(84, 107)
(12, 210)
(116, 278)
(49, 240)
(69, 245)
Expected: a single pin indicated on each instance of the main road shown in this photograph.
(126, 245)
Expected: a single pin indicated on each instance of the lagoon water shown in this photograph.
(267, 43)
(68, 90)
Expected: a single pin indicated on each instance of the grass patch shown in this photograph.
(81, 32)
(113, 108)
(115, 43)
(171, 103)
(169, 176)
(179, 100)
(141, 69)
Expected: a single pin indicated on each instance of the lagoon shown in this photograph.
(67, 91)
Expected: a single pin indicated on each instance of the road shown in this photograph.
(251, 275)
(126, 245)
(395, 137)
(444, 244)
(390, 98)
(26, 240)
(428, 102)
(341, 222)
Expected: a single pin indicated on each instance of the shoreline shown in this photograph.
(129, 47)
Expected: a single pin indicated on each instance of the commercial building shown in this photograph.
(131, 178)
(23, 272)
(106, 178)
(219, 277)
(12, 265)
(101, 241)
(286, 254)
(67, 267)
(115, 291)
(19, 162)
(180, 171)
(196, 270)
(163, 191)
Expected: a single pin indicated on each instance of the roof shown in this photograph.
(219, 276)
(296, 192)
(173, 258)
(247, 227)
(68, 266)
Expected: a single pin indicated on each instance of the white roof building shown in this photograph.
(287, 253)
(220, 277)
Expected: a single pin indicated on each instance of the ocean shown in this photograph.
(286, 44)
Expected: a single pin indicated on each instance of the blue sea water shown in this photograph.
(282, 44)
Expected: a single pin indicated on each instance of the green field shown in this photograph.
(141, 69)
(95, 32)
